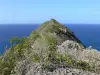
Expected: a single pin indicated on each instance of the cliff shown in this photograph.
(51, 49)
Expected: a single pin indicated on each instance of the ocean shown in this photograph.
(89, 34)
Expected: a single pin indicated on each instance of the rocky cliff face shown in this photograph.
(51, 49)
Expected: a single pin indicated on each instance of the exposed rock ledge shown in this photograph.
(89, 55)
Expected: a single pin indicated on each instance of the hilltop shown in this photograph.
(51, 49)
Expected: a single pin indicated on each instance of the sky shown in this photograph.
(38, 11)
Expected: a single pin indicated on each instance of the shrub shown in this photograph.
(67, 60)
(83, 65)
(36, 58)
(53, 28)
(6, 66)
(35, 35)
(14, 40)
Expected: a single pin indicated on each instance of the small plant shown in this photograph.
(83, 65)
(54, 28)
(14, 40)
(35, 35)
(67, 60)
(7, 66)
(36, 58)
(0, 54)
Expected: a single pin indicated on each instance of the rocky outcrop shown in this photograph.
(92, 56)
(36, 69)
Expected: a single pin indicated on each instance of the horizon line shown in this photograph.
(42, 23)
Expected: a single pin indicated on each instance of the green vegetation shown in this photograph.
(36, 58)
(19, 45)
(52, 48)
(7, 66)
(13, 54)
(51, 59)
(54, 28)
(51, 62)
(66, 60)
(35, 35)
(83, 65)
(55, 58)
(0, 54)
(16, 40)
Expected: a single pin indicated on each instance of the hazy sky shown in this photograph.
(37, 11)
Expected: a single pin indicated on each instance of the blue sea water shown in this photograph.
(7, 31)
(89, 34)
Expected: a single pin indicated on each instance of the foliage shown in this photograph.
(36, 58)
(60, 58)
(35, 35)
(65, 60)
(6, 66)
(52, 48)
(19, 45)
(0, 54)
(53, 28)
(13, 54)
(83, 65)
(17, 40)
(14, 40)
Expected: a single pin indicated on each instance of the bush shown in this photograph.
(6, 66)
(36, 58)
(65, 59)
(35, 35)
(83, 65)
(13, 54)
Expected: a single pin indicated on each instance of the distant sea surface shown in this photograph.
(89, 34)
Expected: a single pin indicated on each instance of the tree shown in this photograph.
(14, 40)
